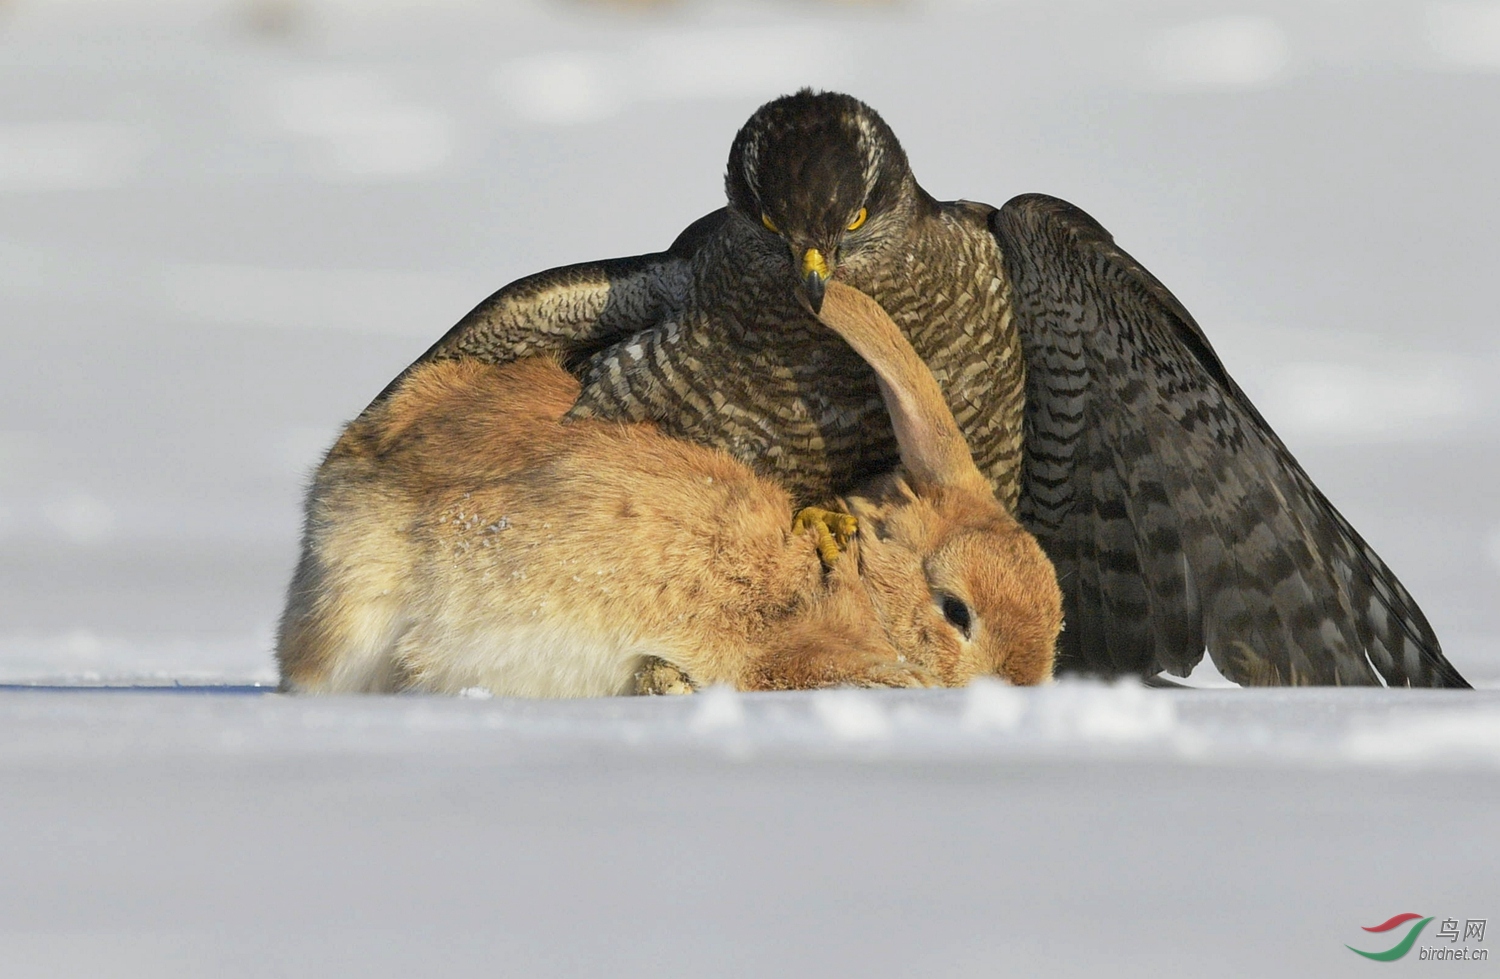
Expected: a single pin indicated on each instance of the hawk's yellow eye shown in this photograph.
(859, 219)
(765, 219)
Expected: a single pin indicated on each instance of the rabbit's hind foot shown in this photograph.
(656, 677)
(832, 529)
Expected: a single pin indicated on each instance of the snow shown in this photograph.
(718, 709)
(1081, 829)
(846, 716)
(1319, 728)
(217, 243)
(992, 706)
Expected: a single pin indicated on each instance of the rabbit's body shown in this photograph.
(462, 536)
(459, 534)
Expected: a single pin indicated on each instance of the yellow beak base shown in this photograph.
(815, 276)
(813, 263)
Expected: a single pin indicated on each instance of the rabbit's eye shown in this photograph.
(957, 614)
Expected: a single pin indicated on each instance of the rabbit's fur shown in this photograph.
(459, 534)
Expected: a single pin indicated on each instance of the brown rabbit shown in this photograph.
(460, 535)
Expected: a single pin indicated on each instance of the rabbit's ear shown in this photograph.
(933, 451)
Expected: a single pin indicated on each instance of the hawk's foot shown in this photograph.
(832, 529)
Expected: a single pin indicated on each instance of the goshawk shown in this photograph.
(1176, 518)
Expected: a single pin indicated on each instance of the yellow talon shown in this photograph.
(832, 529)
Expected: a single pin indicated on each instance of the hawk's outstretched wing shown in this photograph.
(1175, 516)
(575, 310)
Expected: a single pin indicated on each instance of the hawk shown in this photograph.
(1092, 401)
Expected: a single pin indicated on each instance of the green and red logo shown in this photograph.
(1400, 948)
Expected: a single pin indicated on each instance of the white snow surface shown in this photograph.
(226, 224)
(1072, 830)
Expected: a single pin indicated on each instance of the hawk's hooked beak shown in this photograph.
(815, 276)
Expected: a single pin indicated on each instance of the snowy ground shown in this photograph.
(1074, 831)
(225, 225)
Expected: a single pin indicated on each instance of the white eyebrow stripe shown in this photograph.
(751, 163)
(871, 150)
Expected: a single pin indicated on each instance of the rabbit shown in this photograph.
(461, 535)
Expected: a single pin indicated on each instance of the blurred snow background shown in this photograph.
(226, 224)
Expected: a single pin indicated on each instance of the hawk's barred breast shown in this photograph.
(741, 365)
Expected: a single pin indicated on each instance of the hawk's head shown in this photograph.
(825, 173)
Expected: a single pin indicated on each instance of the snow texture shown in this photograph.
(1073, 830)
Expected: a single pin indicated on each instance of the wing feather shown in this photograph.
(1153, 480)
(573, 311)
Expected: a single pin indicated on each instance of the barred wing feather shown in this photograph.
(1177, 519)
